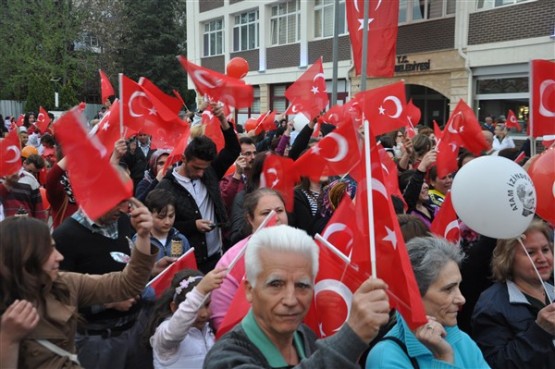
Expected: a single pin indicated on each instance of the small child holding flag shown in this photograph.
(183, 336)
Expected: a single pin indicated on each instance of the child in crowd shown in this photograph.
(169, 240)
(182, 335)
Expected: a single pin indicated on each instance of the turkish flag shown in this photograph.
(336, 283)
(137, 106)
(413, 118)
(383, 17)
(163, 280)
(212, 128)
(96, 184)
(447, 148)
(177, 152)
(279, 173)
(167, 106)
(108, 129)
(106, 89)
(512, 122)
(265, 122)
(336, 115)
(437, 131)
(338, 151)
(20, 119)
(391, 174)
(219, 87)
(140, 113)
(542, 117)
(310, 90)
(393, 264)
(464, 124)
(384, 107)
(43, 120)
(10, 150)
(446, 222)
(341, 229)
(306, 107)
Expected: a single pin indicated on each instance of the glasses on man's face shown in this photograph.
(248, 153)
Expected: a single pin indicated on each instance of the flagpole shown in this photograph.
(530, 111)
(369, 197)
(364, 47)
(120, 80)
(334, 55)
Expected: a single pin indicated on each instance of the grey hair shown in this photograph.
(428, 256)
(279, 238)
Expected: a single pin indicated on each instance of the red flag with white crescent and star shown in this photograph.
(265, 122)
(167, 106)
(107, 130)
(393, 263)
(43, 120)
(542, 99)
(212, 128)
(512, 122)
(383, 18)
(465, 125)
(96, 184)
(338, 152)
(336, 283)
(340, 230)
(309, 90)
(10, 154)
(163, 280)
(219, 87)
(278, 173)
(384, 107)
(446, 222)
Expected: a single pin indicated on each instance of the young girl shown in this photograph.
(184, 336)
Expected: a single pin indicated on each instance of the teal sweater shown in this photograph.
(387, 354)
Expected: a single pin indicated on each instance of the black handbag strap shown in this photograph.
(404, 347)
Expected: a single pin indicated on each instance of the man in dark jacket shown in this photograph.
(200, 210)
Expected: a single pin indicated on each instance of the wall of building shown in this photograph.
(527, 20)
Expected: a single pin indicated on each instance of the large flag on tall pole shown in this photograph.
(382, 35)
(542, 117)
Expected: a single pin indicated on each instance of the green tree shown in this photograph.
(68, 97)
(37, 37)
(155, 35)
(41, 93)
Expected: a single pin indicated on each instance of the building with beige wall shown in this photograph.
(476, 50)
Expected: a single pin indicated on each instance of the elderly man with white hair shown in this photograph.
(281, 265)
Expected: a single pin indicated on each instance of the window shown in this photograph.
(245, 31)
(324, 17)
(242, 115)
(214, 38)
(277, 97)
(285, 23)
(417, 10)
(489, 4)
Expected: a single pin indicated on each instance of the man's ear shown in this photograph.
(248, 290)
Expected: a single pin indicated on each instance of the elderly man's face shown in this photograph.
(283, 293)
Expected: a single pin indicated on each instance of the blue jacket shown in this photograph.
(503, 324)
(165, 250)
(387, 354)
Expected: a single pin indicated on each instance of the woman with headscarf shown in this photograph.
(153, 174)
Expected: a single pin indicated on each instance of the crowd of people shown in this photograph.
(73, 290)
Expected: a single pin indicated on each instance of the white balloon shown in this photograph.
(494, 196)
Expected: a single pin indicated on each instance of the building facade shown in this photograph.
(447, 50)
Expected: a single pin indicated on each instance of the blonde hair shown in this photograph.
(504, 252)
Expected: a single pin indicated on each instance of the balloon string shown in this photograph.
(533, 266)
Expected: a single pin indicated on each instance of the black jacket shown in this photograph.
(187, 211)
